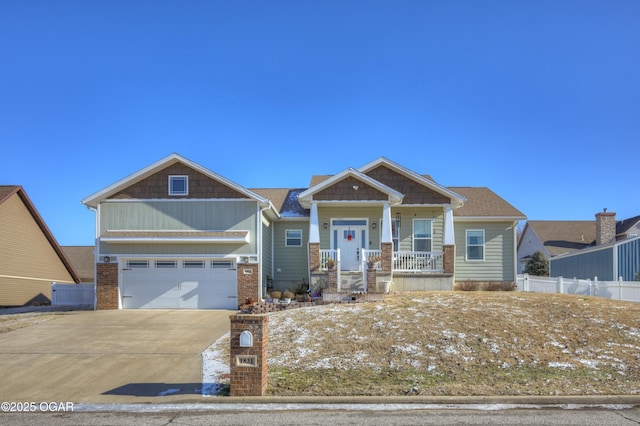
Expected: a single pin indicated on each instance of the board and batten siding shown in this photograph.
(587, 265)
(629, 259)
(26, 253)
(291, 264)
(498, 263)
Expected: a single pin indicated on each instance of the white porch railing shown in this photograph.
(366, 254)
(418, 261)
(329, 255)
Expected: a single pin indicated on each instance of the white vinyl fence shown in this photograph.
(72, 294)
(618, 290)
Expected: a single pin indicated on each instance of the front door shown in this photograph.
(350, 236)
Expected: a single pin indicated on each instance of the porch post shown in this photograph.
(386, 243)
(449, 238)
(387, 237)
(314, 229)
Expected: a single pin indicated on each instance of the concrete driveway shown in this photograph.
(110, 357)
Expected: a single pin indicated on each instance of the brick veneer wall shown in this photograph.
(314, 257)
(333, 280)
(249, 381)
(448, 260)
(248, 285)
(372, 284)
(107, 286)
(387, 256)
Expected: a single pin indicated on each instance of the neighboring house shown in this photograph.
(177, 235)
(83, 261)
(30, 257)
(553, 238)
(616, 253)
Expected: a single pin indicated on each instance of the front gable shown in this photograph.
(152, 182)
(350, 189)
(157, 185)
(414, 192)
(350, 186)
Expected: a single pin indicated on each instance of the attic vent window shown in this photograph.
(178, 185)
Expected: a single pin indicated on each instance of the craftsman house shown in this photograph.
(177, 235)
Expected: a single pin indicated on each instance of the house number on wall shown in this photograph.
(247, 360)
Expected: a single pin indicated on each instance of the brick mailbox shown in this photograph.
(249, 347)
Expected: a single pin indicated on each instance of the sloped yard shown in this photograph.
(457, 343)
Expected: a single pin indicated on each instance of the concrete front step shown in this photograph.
(351, 281)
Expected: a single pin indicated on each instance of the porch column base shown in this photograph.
(314, 257)
(448, 258)
(387, 256)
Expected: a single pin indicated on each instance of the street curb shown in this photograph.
(551, 400)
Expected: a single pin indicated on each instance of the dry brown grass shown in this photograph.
(458, 343)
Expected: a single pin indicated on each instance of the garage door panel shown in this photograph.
(210, 284)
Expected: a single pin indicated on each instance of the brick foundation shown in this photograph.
(248, 285)
(107, 286)
(249, 380)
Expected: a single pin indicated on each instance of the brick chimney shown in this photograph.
(605, 227)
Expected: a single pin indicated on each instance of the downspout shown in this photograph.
(515, 251)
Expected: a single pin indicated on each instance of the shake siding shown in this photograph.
(291, 261)
(26, 252)
(498, 263)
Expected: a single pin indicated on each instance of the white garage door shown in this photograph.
(179, 284)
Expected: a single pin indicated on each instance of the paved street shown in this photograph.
(584, 417)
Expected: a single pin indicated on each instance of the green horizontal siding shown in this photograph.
(498, 263)
(177, 249)
(291, 264)
(177, 216)
(374, 214)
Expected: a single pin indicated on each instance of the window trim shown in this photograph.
(467, 245)
(414, 238)
(173, 178)
(287, 238)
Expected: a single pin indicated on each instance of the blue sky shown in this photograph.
(538, 100)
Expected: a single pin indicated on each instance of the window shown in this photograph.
(222, 264)
(178, 185)
(422, 235)
(193, 264)
(166, 264)
(395, 233)
(293, 238)
(137, 264)
(475, 244)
